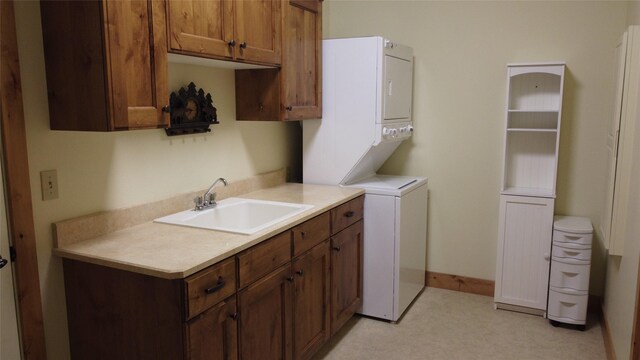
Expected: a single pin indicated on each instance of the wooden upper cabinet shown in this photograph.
(293, 92)
(247, 31)
(302, 69)
(258, 31)
(106, 64)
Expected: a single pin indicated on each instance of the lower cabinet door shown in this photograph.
(346, 274)
(524, 251)
(311, 301)
(265, 317)
(214, 333)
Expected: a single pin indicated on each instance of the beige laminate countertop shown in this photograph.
(174, 252)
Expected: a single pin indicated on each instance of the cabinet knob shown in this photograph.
(243, 45)
(166, 109)
(232, 43)
(234, 316)
(303, 234)
(290, 279)
(300, 272)
(289, 108)
(336, 248)
(546, 256)
(349, 214)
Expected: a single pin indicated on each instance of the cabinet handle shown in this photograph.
(243, 45)
(290, 279)
(215, 288)
(232, 43)
(234, 316)
(289, 108)
(300, 272)
(349, 214)
(303, 234)
(336, 248)
(166, 109)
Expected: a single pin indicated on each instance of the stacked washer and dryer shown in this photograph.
(367, 94)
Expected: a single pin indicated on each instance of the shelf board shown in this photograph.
(535, 192)
(531, 130)
(533, 110)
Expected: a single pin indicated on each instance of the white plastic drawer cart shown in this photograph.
(570, 268)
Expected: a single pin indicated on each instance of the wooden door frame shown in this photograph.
(18, 187)
(635, 334)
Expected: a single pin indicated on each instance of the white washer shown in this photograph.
(395, 233)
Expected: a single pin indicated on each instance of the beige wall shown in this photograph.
(633, 16)
(101, 171)
(461, 51)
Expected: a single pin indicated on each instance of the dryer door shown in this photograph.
(398, 78)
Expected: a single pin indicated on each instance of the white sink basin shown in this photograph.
(237, 215)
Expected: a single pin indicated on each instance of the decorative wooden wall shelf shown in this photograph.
(191, 112)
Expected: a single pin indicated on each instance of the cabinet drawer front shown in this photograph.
(210, 286)
(311, 233)
(573, 238)
(567, 306)
(571, 253)
(346, 214)
(571, 275)
(264, 258)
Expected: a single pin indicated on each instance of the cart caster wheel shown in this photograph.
(554, 323)
(582, 327)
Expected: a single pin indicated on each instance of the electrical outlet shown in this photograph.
(49, 184)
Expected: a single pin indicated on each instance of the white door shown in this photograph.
(398, 83)
(524, 247)
(9, 341)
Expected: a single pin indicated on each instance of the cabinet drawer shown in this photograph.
(573, 252)
(264, 258)
(311, 233)
(568, 306)
(210, 286)
(571, 274)
(346, 214)
(573, 238)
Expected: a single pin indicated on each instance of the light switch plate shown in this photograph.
(49, 184)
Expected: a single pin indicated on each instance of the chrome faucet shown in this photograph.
(209, 198)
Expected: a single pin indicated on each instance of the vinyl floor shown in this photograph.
(444, 324)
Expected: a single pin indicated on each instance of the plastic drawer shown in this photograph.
(572, 238)
(567, 307)
(571, 274)
(571, 251)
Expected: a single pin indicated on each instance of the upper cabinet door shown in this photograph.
(136, 49)
(302, 66)
(203, 28)
(106, 64)
(258, 31)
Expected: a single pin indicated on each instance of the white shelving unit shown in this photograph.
(532, 129)
(532, 133)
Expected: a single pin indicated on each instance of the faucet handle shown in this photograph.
(211, 198)
(198, 201)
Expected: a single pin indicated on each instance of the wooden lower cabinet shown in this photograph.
(346, 274)
(311, 298)
(259, 304)
(214, 334)
(265, 317)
